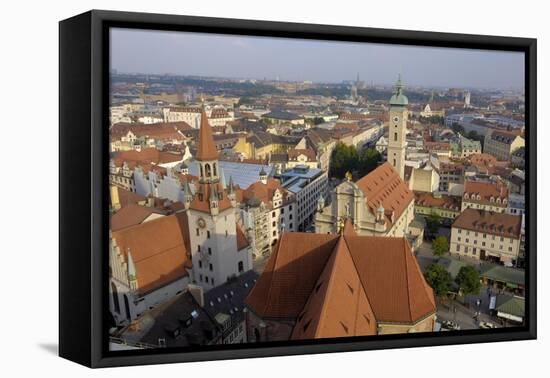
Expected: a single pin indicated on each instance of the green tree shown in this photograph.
(368, 161)
(438, 278)
(468, 281)
(440, 246)
(344, 158)
(433, 222)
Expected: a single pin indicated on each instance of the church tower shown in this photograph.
(211, 215)
(398, 129)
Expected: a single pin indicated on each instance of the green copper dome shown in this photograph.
(398, 98)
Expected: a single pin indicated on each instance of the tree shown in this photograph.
(433, 222)
(438, 278)
(467, 280)
(368, 161)
(440, 246)
(343, 159)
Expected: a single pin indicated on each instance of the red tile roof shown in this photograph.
(293, 154)
(383, 186)
(442, 202)
(488, 192)
(145, 156)
(341, 285)
(489, 222)
(158, 249)
(131, 215)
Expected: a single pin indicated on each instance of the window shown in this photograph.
(209, 250)
(198, 232)
(273, 224)
(458, 248)
(206, 279)
(395, 137)
(458, 238)
(200, 264)
(226, 233)
(273, 215)
(211, 267)
(240, 267)
(200, 278)
(208, 234)
(275, 233)
(198, 248)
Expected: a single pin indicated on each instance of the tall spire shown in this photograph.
(206, 147)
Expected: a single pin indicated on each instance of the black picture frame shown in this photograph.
(83, 182)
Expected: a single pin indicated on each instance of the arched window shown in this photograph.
(208, 170)
(115, 298)
(202, 173)
(395, 136)
(215, 169)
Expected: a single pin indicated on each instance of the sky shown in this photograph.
(232, 56)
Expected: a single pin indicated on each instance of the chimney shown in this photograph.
(197, 293)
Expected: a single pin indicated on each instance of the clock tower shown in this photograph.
(215, 250)
(398, 129)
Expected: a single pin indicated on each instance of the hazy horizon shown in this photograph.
(246, 57)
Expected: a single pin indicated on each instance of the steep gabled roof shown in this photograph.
(338, 305)
(341, 285)
(290, 274)
(206, 148)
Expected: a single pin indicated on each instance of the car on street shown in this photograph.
(451, 326)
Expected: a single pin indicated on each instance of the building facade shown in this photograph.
(380, 204)
(502, 144)
(486, 235)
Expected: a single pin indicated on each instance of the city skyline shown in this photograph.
(237, 57)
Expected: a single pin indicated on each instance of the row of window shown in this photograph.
(484, 235)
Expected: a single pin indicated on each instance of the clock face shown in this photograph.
(201, 223)
(395, 119)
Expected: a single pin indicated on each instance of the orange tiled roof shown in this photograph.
(489, 222)
(126, 197)
(342, 285)
(383, 186)
(131, 215)
(264, 192)
(293, 154)
(146, 155)
(486, 191)
(443, 202)
(158, 251)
